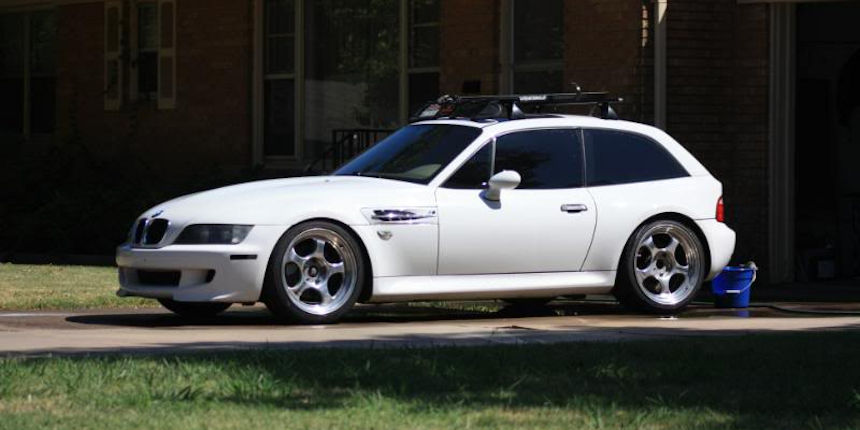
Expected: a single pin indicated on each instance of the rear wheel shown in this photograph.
(315, 274)
(662, 267)
(194, 309)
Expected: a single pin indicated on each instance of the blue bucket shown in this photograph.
(731, 288)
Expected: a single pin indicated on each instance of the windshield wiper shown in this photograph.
(381, 175)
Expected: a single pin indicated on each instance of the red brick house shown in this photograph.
(764, 92)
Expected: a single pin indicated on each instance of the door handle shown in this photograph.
(574, 208)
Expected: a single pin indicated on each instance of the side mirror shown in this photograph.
(504, 180)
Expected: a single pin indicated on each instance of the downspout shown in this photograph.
(660, 7)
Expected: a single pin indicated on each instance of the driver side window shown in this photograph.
(473, 174)
(546, 159)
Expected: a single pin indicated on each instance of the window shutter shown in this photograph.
(167, 54)
(113, 55)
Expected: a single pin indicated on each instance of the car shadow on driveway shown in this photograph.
(386, 313)
(428, 312)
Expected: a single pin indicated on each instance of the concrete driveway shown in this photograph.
(157, 331)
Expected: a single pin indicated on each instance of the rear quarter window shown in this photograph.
(618, 157)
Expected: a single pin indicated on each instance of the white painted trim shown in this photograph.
(660, 25)
(781, 143)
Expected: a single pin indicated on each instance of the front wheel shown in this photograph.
(662, 268)
(315, 274)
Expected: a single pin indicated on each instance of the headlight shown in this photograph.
(224, 234)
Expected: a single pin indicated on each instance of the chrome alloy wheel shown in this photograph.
(667, 264)
(319, 271)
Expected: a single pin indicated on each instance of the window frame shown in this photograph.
(492, 141)
(511, 66)
(134, 45)
(26, 132)
(644, 136)
(160, 100)
(297, 76)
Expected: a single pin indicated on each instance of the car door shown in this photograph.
(544, 225)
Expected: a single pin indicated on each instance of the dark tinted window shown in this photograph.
(615, 157)
(414, 153)
(545, 159)
(473, 174)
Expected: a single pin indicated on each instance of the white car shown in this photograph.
(479, 207)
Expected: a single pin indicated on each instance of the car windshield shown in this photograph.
(415, 153)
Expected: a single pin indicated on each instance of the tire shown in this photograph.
(194, 309)
(529, 301)
(661, 255)
(315, 274)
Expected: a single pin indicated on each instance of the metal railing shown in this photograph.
(345, 144)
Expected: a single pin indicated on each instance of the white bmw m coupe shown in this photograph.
(493, 206)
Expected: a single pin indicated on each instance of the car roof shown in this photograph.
(499, 126)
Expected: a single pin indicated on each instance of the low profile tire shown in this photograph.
(315, 274)
(194, 309)
(662, 268)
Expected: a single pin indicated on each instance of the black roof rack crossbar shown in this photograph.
(501, 106)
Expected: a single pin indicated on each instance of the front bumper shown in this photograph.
(721, 243)
(199, 273)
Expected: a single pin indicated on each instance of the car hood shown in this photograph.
(286, 201)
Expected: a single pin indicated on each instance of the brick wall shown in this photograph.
(211, 122)
(603, 50)
(469, 45)
(718, 105)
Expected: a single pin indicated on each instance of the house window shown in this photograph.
(423, 52)
(352, 68)
(538, 46)
(279, 105)
(147, 50)
(27, 73)
(140, 53)
(340, 64)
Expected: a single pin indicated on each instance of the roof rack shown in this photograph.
(508, 106)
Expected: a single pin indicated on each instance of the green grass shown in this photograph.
(799, 381)
(31, 287)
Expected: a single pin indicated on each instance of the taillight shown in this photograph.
(721, 213)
